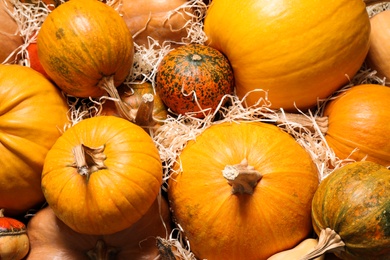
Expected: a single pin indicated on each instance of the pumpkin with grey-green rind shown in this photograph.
(354, 201)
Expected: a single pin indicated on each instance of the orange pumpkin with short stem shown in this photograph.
(51, 239)
(102, 175)
(243, 190)
(86, 49)
(33, 114)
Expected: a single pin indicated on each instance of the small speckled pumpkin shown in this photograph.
(194, 78)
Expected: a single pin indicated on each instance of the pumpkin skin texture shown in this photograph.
(354, 202)
(81, 44)
(296, 50)
(193, 74)
(121, 183)
(33, 114)
(358, 118)
(10, 39)
(221, 225)
(50, 238)
(156, 19)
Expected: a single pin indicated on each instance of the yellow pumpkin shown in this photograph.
(33, 114)
(243, 191)
(297, 50)
(102, 175)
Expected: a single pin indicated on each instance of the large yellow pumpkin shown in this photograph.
(33, 114)
(102, 175)
(243, 191)
(297, 50)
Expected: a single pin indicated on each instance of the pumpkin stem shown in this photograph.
(328, 241)
(144, 117)
(102, 252)
(242, 177)
(1, 213)
(320, 122)
(372, 2)
(164, 249)
(88, 160)
(196, 57)
(107, 83)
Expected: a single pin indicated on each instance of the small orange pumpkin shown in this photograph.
(33, 115)
(193, 79)
(357, 119)
(243, 190)
(102, 175)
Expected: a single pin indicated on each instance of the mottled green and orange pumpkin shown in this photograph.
(194, 78)
(353, 205)
(243, 190)
(86, 48)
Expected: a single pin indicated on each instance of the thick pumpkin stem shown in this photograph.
(372, 2)
(329, 241)
(102, 252)
(107, 83)
(242, 177)
(320, 123)
(88, 160)
(144, 117)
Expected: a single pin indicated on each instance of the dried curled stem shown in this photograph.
(88, 160)
(242, 177)
(310, 123)
(329, 241)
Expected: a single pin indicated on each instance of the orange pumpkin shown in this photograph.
(33, 115)
(297, 50)
(193, 79)
(357, 119)
(51, 239)
(243, 190)
(102, 175)
(86, 49)
(10, 38)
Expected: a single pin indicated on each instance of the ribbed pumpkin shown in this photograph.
(102, 175)
(194, 78)
(33, 114)
(51, 239)
(243, 190)
(297, 50)
(358, 119)
(354, 201)
(86, 49)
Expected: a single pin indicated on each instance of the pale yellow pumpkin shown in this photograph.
(298, 50)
